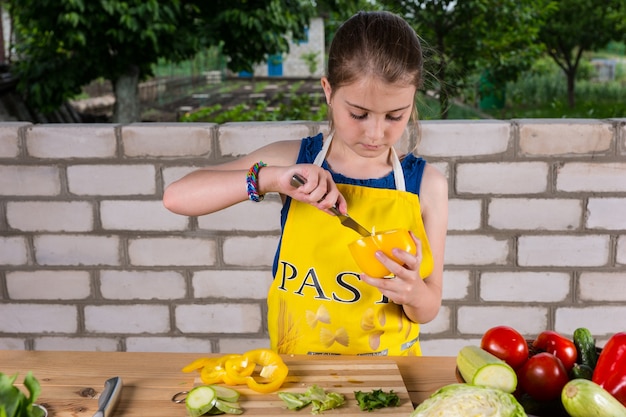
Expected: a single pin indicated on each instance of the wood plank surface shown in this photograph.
(73, 381)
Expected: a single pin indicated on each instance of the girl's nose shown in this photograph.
(376, 129)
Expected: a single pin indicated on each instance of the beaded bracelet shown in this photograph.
(252, 181)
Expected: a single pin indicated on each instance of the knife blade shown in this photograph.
(345, 219)
(109, 397)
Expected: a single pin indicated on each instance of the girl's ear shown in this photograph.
(327, 89)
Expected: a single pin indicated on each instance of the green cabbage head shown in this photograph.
(464, 400)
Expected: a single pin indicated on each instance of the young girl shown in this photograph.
(319, 302)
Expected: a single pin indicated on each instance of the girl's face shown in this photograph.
(370, 116)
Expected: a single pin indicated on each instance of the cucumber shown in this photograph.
(479, 367)
(228, 407)
(586, 347)
(581, 371)
(584, 398)
(200, 400)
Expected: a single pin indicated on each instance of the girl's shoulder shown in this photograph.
(309, 148)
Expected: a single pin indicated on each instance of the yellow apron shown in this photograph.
(317, 303)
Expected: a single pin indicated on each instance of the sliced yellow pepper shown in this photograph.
(273, 372)
(235, 369)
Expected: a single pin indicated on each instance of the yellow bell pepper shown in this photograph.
(273, 372)
(235, 369)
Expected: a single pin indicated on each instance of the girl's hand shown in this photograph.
(407, 287)
(318, 189)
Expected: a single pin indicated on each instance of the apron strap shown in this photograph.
(398, 174)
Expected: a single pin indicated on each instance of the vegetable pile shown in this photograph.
(316, 396)
(13, 402)
(552, 372)
(376, 399)
(213, 400)
(262, 370)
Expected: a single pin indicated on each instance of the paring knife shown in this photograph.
(109, 397)
(345, 219)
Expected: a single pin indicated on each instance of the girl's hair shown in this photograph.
(378, 44)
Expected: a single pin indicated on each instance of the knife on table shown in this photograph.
(345, 219)
(109, 397)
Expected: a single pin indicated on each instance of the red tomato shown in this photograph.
(507, 344)
(543, 377)
(560, 346)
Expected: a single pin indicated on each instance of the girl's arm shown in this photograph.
(434, 203)
(214, 188)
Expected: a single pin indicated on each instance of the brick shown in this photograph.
(439, 324)
(459, 138)
(621, 250)
(476, 250)
(140, 215)
(537, 214)
(142, 285)
(531, 287)
(77, 250)
(219, 318)
(592, 177)
(231, 284)
(237, 139)
(446, 347)
(38, 318)
(100, 344)
(50, 216)
(456, 284)
(111, 179)
(502, 178)
(168, 344)
(600, 320)
(563, 250)
(479, 319)
(606, 213)
(29, 180)
(564, 137)
(248, 215)
(172, 251)
(71, 141)
(230, 345)
(13, 251)
(250, 251)
(167, 139)
(48, 285)
(602, 286)
(464, 214)
(9, 139)
(132, 319)
(12, 343)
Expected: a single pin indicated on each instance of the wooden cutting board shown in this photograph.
(342, 376)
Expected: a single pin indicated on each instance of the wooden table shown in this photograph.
(72, 381)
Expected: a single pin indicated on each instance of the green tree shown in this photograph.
(64, 44)
(578, 26)
(468, 35)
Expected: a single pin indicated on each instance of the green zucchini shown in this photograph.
(586, 347)
(479, 367)
(200, 400)
(584, 398)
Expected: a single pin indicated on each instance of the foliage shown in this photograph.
(576, 26)
(541, 92)
(460, 37)
(64, 44)
(311, 61)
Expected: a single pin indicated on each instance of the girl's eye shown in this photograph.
(358, 116)
(394, 119)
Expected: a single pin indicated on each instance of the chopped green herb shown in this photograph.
(369, 401)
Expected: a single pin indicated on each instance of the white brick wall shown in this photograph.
(90, 259)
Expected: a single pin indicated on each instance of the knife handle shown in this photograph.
(109, 397)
